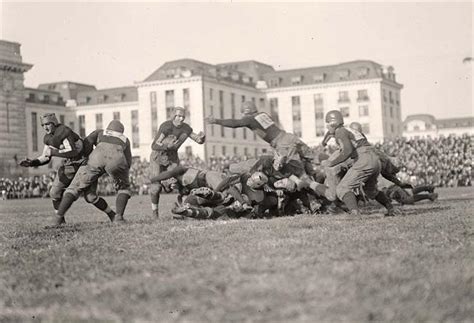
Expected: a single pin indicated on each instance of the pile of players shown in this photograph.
(292, 180)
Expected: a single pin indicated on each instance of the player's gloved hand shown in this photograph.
(201, 137)
(211, 120)
(25, 162)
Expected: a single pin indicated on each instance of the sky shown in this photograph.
(115, 44)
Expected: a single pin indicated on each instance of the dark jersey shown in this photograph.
(67, 142)
(261, 123)
(348, 140)
(168, 129)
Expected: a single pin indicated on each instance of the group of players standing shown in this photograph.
(293, 179)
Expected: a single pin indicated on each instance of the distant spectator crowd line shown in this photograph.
(442, 162)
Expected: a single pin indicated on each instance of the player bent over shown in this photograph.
(60, 141)
(112, 155)
(364, 171)
(286, 144)
(164, 156)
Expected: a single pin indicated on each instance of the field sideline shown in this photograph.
(415, 267)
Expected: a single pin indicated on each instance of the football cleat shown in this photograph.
(433, 196)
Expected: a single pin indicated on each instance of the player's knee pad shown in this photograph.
(73, 192)
(56, 192)
(155, 189)
(91, 197)
(341, 190)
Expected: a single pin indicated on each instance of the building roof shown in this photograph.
(423, 117)
(461, 122)
(455, 122)
(250, 71)
(105, 96)
(348, 71)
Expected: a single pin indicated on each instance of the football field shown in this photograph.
(309, 268)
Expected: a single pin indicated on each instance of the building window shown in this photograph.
(135, 130)
(384, 95)
(392, 129)
(116, 115)
(98, 121)
(254, 136)
(397, 99)
(343, 96)
(186, 104)
(245, 133)
(416, 128)
(61, 118)
(246, 152)
(235, 151)
(211, 94)
(243, 98)
(169, 103)
(154, 114)
(232, 105)
(318, 78)
(213, 150)
(224, 150)
(297, 80)
(34, 131)
(363, 72)
(221, 110)
(363, 110)
(344, 111)
(366, 128)
(274, 110)
(71, 125)
(212, 114)
(344, 74)
(296, 113)
(362, 95)
(46, 98)
(82, 125)
(261, 104)
(390, 97)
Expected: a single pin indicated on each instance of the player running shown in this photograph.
(112, 155)
(164, 156)
(60, 141)
(364, 171)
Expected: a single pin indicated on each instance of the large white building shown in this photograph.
(298, 99)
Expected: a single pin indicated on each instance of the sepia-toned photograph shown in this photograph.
(236, 161)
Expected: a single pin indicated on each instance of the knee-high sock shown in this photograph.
(383, 199)
(66, 202)
(56, 203)
(102, 205)
(350, 201)
(418, 197)
(422, 188)
(121, 203)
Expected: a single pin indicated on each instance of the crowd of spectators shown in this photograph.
(442, 162)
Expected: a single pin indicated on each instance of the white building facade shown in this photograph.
(364, 91)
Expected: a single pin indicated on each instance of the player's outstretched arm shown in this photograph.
(177, 171)
(38, 161)
(200, 137)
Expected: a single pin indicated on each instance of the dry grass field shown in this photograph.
(414, 267)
